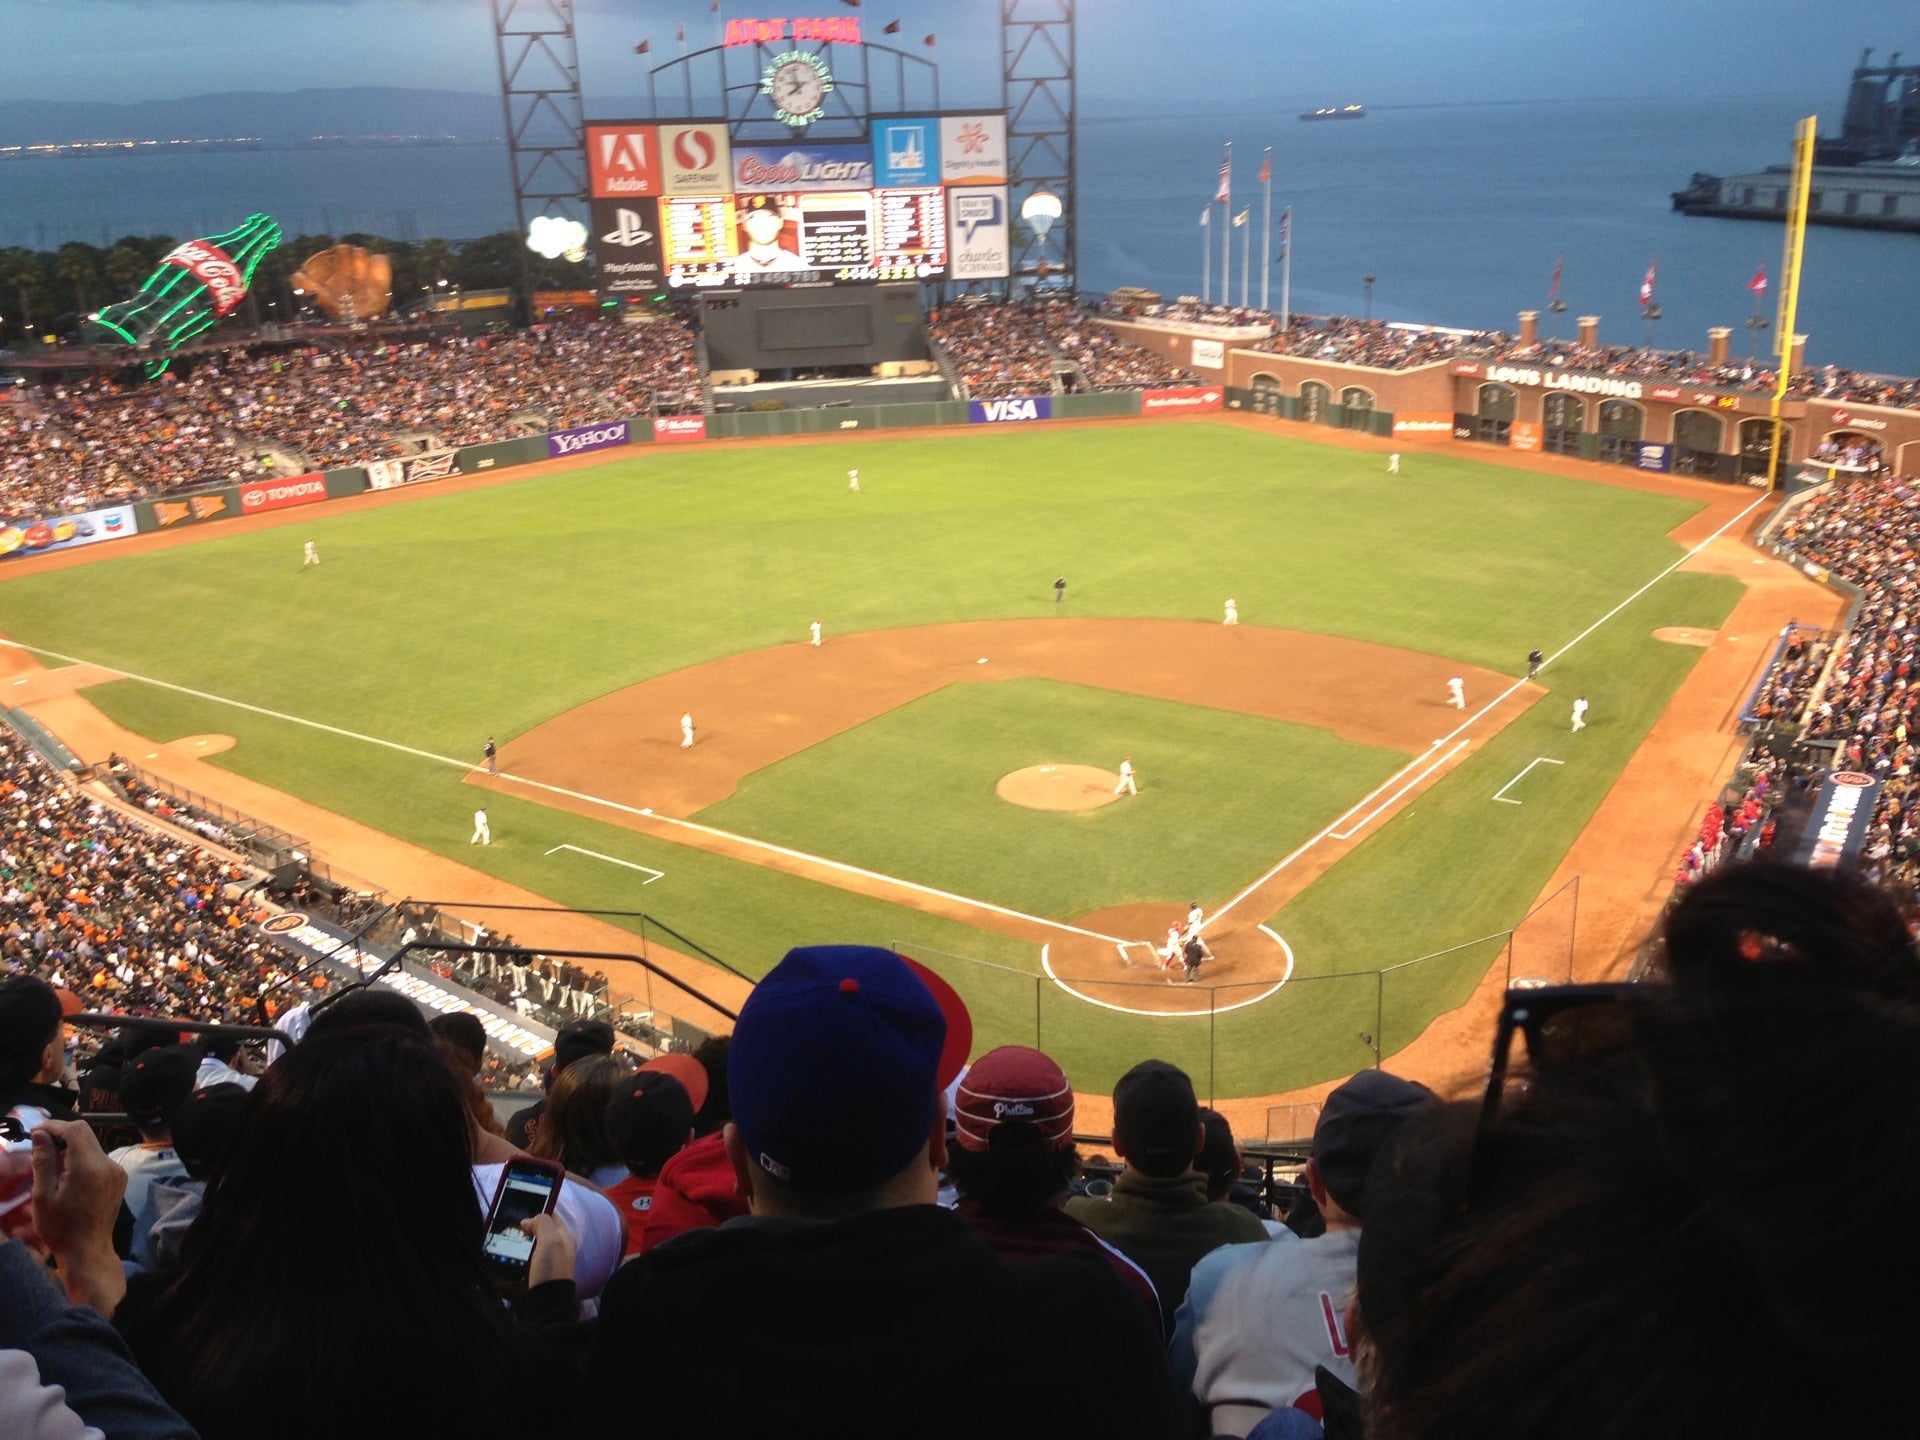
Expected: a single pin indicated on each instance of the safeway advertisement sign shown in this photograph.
(680, 427)
(1155, 402)
(282, 494)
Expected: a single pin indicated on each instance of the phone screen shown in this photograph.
(524, 1193)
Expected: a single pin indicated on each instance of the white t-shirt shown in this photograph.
(598, 1231)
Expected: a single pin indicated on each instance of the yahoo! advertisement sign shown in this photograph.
(587, 437)
(1009, 412)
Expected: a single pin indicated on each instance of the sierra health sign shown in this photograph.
(587, 437)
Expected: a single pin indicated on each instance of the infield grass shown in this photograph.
(438, 622)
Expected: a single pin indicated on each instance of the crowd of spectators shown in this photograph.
(853, 1231)
(1001, 351)
(1373, 343)
(1109, 361)
(89, 444)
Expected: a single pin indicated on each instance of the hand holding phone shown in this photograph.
(554, 1250)
(528, 1188)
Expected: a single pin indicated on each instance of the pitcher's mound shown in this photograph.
(1059, 787)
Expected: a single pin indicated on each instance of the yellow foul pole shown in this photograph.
(1803, 140)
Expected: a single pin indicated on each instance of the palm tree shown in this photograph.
(79, 265)
(126, 266)
(20, 272)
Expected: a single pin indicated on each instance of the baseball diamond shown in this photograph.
(1301, 772)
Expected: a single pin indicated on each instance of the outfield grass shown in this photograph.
(438, 622)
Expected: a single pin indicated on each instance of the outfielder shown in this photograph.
(815, 628)
(309, 556)
(1233, 613)
(853, 481)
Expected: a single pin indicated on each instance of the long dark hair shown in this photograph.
(573, 1128)
(332, 1283)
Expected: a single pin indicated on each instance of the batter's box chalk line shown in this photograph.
(647, 870)
(1501, 796)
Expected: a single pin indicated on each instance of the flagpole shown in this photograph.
(1206, 260)
(1286, 270)
(1266, 233)
(1246, 254)
(1226, 227)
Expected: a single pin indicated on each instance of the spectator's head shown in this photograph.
(650, 1118)
(573, 1129)
(1357, 1122)
(1523, 1284)
(836, 1071)
(712, 1054)
(223, 1046)
(366, 1006)
(1013, 1152)
(1156, 1120)
(30, 1020)
(578, 1040)
(156, 1084)
(462, 1038)
(1219, 1157)
(202, 1125)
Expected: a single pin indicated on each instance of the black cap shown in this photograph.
(202, 1124)
(579, 1040)
(1156, 1118)
(1358, 1121)
(155, 1084)
(649, 1119)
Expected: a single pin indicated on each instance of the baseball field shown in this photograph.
(937, 773)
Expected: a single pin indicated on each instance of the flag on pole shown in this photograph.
(1286, 233)
(683, 33)
(643, 47)
(1266, 168)
(1646, 285)
(928, 41)
(892, 27)
(1758, 285)
(1225, 192)
(1553, 291)
(1206, 215)
(1241, 218)
(851, 4)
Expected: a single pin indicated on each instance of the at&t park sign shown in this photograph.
(841, 30)
(1571, 380)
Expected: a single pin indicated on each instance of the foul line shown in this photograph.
(1361, 824)
(643, 812)
(1469, 721)
(1501, 794)
(1046, 965)
(652, 874)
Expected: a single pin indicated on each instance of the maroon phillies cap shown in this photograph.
(1013, 1098)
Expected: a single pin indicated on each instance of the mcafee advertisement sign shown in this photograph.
(1190, 397)
(680, 427)
(282, 494)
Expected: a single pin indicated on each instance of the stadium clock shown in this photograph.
(797, 82)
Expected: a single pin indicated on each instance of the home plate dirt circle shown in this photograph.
(1058, 787)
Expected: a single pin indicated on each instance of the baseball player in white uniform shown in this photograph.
(1126, 785)
(1233, 612)
(309, 556)
(1393, 463)
(853, 480)
(482, 833)
(815, 628)
(1457, 693)
(686, 731)
(1580, 713)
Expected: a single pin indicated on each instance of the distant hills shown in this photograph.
(293, 118)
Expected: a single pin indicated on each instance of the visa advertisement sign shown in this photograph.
(1010, 412)
(774, 169)
(906, 153)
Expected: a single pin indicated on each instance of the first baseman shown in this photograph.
(1457, 693)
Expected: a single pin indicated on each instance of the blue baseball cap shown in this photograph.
(838, 1064)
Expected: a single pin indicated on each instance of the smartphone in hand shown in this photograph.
(528, 1187)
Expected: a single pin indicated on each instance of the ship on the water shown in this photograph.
(1336, 112)
(1867, 177)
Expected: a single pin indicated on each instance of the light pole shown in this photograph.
(1651, 314)
(1367, 280)
(1559, 308)
(1755, 323)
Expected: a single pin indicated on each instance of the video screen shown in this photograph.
(786, 238)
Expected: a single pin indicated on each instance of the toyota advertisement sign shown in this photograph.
(587, 437)
(627, 248)
(261, 495)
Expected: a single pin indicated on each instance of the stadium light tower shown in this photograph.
(540, 89)
(1037, 83)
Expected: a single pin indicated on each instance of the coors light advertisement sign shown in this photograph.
(587, 437)
(213, 268)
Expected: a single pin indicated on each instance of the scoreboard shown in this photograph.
(681, 208)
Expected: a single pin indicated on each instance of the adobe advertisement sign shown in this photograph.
(776, 169)
(680, 427)
(1010, 412)
(623, 161)
(67, 532)
(978, 244)
(695, 159)
(973, 149)
(262, 495)
(1184, 398)
(906, 153)
(587, 437)
(627, 248)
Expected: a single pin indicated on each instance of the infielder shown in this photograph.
(309, 556)
(1457, 693)
(815, 628)
(493, 757)
(1126, 785)
(482, 834)
(686, 731)
(1580, 713)
(1233, 612)
(853, 481)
